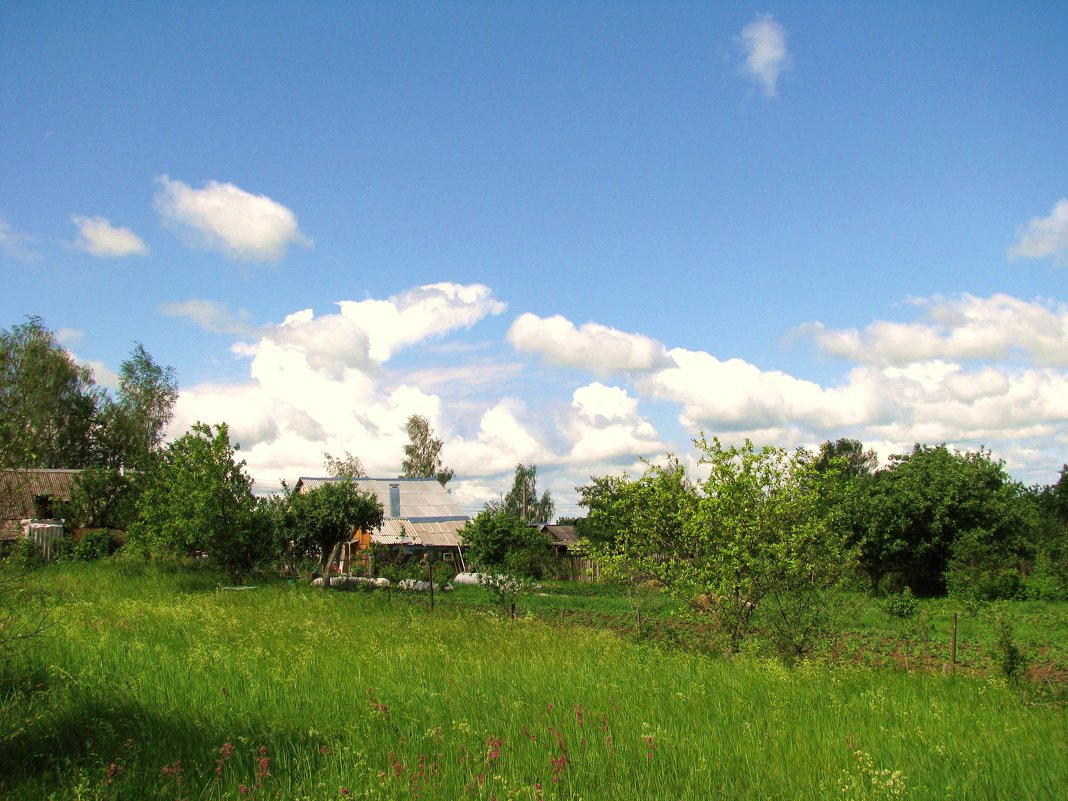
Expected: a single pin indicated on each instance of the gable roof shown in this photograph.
(421, 499)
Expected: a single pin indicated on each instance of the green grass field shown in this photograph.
(153, 683)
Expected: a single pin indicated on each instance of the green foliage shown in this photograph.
(1012, 659)
(101, 498)
(94, 543)
(1045, 582)
(131, 426)
(499, 542)
(522, 500)
(847, 458)
(48, 403)
(348, 467)
(760, 529)
(902, 604)
(24, 554)
(935, 509)
(319, 519)
(199, 499)
(422, 454)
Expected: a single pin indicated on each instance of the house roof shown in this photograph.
(560, 535)
(19, 488)
(421, 499)
(431, 534)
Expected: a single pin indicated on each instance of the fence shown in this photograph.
(47, 534)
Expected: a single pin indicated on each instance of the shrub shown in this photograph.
(901, 605)
(94, 543)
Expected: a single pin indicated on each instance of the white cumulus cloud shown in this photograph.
(590, 346)
(97, 236)
(763, 42)
(319, 383)
(1043, 237)
(964, 327)
(224, 217)
(605, 426)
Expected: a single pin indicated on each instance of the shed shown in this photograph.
(31, 494)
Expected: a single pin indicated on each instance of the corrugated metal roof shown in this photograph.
(420, 498)
(432, 534)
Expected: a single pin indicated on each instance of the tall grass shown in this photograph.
(155, 684)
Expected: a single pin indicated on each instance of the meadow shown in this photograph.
(154, 682)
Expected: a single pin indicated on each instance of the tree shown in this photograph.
(349, 467)
(101, 497)
(422, 454)
(522, 499)
(498, 541)
(199, 498)
(758, 531)
(321, 519)
(848, 458)
(47, 402)
(509, 553)
(934, 506)
(135, 421)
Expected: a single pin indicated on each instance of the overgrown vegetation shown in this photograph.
(156, 684)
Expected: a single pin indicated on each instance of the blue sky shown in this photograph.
(574, 234)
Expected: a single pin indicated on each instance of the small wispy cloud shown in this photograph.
(210, 315)
(226, 218)
(763, 42)
(15, 244)
(1043, 237)
(97, 236)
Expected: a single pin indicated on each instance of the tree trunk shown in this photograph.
(328, 564)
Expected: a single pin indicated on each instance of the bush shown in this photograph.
(1045, 582)
(901, 605)
(94, 543)
(24, 554)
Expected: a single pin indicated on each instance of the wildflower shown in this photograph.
(324, 749)
(493, 749)
(244, 789)
(344, 790)
(650, 746)
(559, 763)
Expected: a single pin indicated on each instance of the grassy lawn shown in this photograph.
(154, 683)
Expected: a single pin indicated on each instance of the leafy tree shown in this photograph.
(934, 506)
(134, 423)
(349, 467)
(522, 500)
(848, 458)
(422, 454)
(321, 519)
(498, 541)
(648, 512)
(508, 553)
(101, 498)
(47, 402)
(759, 530)
(1058, 496)
(199, 498)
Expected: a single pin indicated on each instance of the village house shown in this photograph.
(419, 516)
